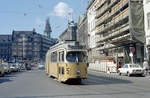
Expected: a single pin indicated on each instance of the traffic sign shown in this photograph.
(132, 49)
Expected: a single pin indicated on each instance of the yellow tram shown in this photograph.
(67, 61)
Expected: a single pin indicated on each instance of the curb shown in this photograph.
(109, 75)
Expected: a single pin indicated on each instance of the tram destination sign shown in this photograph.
(76, 47)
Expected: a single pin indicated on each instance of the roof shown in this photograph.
(5, 37)
(68, 45)
(17, 32)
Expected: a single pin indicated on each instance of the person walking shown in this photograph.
(25, 66)
(146, 66)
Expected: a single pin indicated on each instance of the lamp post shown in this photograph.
(23, 45)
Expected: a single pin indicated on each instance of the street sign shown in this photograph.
(132, 49)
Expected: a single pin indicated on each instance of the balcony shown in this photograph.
(105, 8)
(120, 19)
(121, 40)
(115, 10)
(119, 31)
(105, 47)
(100, 4)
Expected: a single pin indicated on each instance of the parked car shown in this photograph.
(33, 65)
(18, 66)
(22, 66)
(2, 71)
(13, 67)
(41, 66)
(131, 69)
(6, 68)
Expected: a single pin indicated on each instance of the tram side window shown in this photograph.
(54, 57)
(61, 70)
(61, 56)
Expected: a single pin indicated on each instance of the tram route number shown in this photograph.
(68, 70)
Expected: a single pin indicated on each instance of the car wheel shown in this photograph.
(128, 74)
(119, 73)
(143, 75)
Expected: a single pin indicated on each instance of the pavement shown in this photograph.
(35, 84)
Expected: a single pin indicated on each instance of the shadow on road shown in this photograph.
(7, 77)
(2, 80)
(103, 80)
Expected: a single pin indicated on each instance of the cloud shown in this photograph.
(62, 10)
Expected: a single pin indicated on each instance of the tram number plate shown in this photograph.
(67, 70)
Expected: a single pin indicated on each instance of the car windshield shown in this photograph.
(134, 66)
(76, 56)
(13, 65)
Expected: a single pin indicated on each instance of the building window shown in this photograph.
(148, 20)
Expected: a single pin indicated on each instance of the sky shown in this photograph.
(28, 14)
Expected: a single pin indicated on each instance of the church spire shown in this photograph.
(48, 29)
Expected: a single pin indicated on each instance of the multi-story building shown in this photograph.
(91, 14)
(82, 31)
(70, 33)
(5, 47)
(22, 45)
(146, 4)
(29, 45)
(120, 27)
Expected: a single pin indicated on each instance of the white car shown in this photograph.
(2, 70)
(131, 69)
(41, 66)
(13, 67)
(6, 67)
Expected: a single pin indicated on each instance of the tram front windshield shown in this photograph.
(76, 56)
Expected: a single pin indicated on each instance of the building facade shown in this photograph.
(120, 30)
(29, 45)
(5, 47)
(91, 15)
(82, 31)
(146, 4)
(70, 33)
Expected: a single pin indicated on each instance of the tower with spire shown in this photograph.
(48, 29)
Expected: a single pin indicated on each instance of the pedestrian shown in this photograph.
(118, 65)
(145, 66)
(25, 66)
